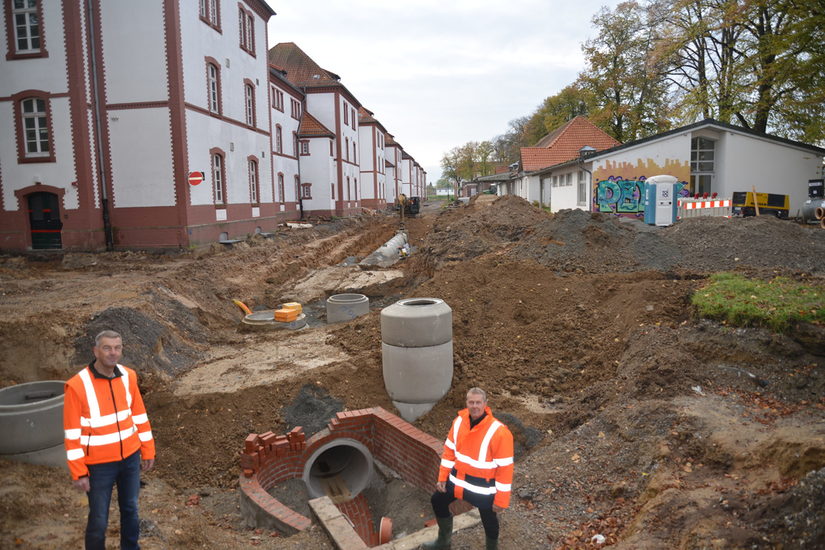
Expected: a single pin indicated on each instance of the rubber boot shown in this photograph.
(492, 544)
(445, 535)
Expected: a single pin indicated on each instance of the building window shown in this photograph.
(353, 118)
(249, 97)
(306, 190)
(296, 109)
(346, 149)
(304, 147)
(218, 176)
(27, 38)
(354, 153)
(246, 30)
(254, 190)
(295, 144)
(35, 124)
(332, 190)
(278, 99)
(702, 165)
(279, 139)
(281, 191)
(581, 191)
(346, 114)
(210, 13)
(349, 191)
(331, 149)
(213, 87)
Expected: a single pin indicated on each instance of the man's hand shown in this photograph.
(498, 509)
(441, 486)
(81, 484)
(146, 465)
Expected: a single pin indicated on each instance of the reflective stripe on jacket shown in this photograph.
(478, 462)
(104, 420)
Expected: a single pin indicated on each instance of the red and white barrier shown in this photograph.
(693, 208)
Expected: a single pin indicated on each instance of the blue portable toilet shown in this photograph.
(660, 200)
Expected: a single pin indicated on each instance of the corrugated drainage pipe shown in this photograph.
(340, 469)
(388, 253)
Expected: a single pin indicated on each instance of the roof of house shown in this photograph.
(708, 122)
(712, 122)
(300, 68)
(312, 127)
(564, 143)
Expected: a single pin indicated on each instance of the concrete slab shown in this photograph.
(413, 541)
(336, 525)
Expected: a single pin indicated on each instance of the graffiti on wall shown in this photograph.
(625, 196)
(617, 195)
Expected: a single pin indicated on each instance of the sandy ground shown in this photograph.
(634, 420)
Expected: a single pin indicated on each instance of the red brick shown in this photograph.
(251, 443)
(247, 472)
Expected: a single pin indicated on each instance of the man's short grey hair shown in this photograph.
(107, 334)
(478, 391)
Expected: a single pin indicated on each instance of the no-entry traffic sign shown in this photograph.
(195, 178)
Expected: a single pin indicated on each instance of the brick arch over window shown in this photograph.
(19, 101)
(214, 100)
(218, 175)
(26, 45)
(250, 103)
(254, 179)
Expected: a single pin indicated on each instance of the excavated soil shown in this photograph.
(635, 422)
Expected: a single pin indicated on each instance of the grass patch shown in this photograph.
(778, 304)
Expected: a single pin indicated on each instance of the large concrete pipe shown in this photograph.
(340, 469)
(387, 254)
(31, 423)
(417, 354)
(344, 307)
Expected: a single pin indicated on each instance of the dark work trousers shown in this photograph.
(102, 478)
(489, 519)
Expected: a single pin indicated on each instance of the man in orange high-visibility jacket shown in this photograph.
(108, 440)
(477, 467)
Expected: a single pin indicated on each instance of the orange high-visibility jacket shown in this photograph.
(104, 419)
(478, 462)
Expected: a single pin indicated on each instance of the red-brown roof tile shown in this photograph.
(564, 143)
(301, 69)
(312, 127)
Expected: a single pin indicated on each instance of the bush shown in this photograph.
(778, 304)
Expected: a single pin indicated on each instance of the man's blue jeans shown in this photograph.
(102, 477)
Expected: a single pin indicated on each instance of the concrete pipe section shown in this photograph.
(339, 469)
(417, 354)
(345, 307)
(388, 253)
(31, 423)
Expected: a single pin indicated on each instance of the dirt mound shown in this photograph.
(312, 409)
(469, 231)
(579, 241)
(149, 342)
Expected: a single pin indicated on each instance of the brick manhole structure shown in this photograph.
(268, 460)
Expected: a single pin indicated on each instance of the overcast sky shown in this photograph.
(440, 73)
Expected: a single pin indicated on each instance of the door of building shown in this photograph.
(44, 219)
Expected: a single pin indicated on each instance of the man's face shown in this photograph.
(476, 404)
(109, 351)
